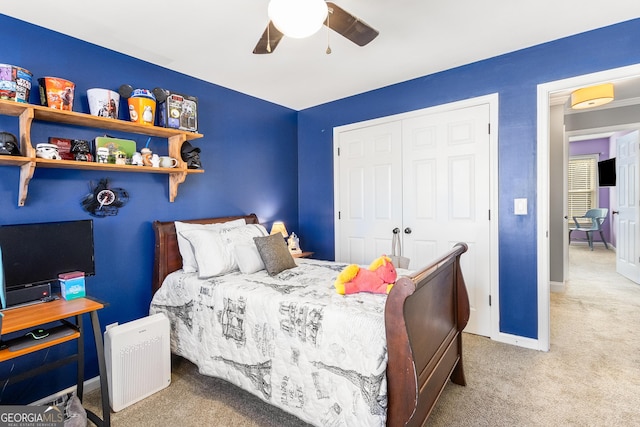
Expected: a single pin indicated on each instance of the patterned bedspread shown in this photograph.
(289, 339)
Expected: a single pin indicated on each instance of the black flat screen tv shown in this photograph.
(607, 173)
(36, 253)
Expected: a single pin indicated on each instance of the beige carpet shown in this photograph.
(591, 376)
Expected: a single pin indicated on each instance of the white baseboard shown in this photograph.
(519, 341)
(556, 287)
(89, 385)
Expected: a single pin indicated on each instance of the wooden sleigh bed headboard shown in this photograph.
(425, 314)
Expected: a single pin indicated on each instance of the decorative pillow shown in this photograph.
(214, 249)
(248, 258)
(189, 264)
(274, 253)
(210, 253)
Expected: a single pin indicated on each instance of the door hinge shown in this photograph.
(489, 300)
(489, 214)
(338, 151)
(489, 128)
(339, 213)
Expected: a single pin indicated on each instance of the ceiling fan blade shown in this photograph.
(269, 40)
(347, 25)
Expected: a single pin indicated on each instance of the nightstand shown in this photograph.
(303, 255)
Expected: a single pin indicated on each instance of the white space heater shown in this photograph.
(138, 359)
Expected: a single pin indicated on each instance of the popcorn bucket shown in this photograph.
(56, 93)
(142, 107)
(103, 102)
(15, 83)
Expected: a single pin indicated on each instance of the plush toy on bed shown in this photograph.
(377, 279)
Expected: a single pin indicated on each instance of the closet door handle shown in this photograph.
(407, 230)
(396, 230)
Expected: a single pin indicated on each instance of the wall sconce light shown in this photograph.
(592, 96)
(298, 18)
(278, 227)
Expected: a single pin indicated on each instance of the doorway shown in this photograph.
(547, 92)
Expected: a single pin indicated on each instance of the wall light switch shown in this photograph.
(520, 206)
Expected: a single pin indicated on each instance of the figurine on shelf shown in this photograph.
(155, 161)
(191, 155)
(81, 150)
(136, 159)
(146, 156)
(9, 144)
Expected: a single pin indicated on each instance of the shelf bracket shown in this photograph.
(26, 173)
(26, 148)
(175, 179)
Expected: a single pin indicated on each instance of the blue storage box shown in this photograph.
(72, 285)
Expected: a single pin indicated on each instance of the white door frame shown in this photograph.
(544, 92)
(492, 100)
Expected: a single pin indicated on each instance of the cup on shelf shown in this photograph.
(168, 162)
(155, 161)
(142, 107)
(103, 102)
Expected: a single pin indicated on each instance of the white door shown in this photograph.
(446, 183)
(370, 192)
(429, 174)
(628, 232)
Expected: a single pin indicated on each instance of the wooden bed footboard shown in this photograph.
(425, 314)
(424, 317)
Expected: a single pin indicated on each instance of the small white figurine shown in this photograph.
(155, 161)
(294, 244)
(136, 159)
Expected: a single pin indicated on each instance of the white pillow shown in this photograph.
(248, 258)
(189, 264)
(214, 249)
(210, 252)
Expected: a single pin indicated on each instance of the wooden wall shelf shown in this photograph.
(29, 162)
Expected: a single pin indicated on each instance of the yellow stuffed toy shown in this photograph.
(378, 279)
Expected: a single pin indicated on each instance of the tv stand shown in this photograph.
(24, 319)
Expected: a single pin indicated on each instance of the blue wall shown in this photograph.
(248, 149)
(515, 77)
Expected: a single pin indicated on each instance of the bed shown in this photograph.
(417, 329)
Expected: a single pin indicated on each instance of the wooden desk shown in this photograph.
(33, 316)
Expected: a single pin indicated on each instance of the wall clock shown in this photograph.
(104, 201)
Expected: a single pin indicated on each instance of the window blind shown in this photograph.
(582, 175)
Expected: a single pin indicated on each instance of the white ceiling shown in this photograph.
(214, 40)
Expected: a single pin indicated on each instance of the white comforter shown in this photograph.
(289, 339)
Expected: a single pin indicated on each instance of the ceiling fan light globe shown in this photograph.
(297, 18)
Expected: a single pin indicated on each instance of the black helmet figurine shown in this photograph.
(9, 144)
(191, 155)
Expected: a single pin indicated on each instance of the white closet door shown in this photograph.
(370, 187)
(429, 174)
(447, 197)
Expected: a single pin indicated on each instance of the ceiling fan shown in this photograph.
(338, 19)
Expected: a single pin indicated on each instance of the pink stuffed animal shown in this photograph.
(378, 279)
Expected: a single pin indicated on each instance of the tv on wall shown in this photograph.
(607, 173)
